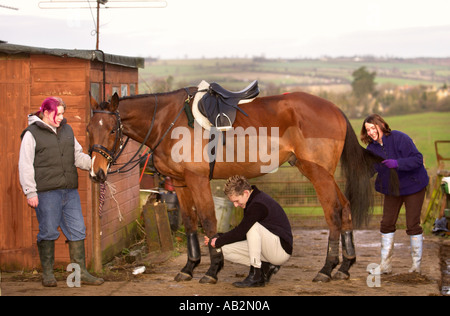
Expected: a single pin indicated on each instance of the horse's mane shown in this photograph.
(145, 95)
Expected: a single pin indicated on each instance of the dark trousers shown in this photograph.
(391, 209)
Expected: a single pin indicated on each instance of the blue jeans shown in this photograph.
(60, 208)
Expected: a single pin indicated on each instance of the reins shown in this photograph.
(137, 161)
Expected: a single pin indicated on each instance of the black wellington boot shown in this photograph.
(46, 250)
(255, 278)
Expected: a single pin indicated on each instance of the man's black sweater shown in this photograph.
(263, 209)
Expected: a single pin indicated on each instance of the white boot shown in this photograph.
(416, 252)
(387, 250)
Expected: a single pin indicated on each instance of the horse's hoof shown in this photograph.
(339, 275)
(208, 280)
(320, 277)
(182, 276)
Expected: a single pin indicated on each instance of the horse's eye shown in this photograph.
(113, 131)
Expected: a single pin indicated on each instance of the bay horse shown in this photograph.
(313, 135)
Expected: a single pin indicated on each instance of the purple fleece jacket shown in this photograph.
(411, 172)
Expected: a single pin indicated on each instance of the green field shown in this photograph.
(292, 75)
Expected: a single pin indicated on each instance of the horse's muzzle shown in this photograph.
(100, 176)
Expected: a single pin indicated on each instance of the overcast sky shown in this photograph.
(239, 28)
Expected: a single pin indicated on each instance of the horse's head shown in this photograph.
(105, 137)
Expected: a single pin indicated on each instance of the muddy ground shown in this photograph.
(294, 278)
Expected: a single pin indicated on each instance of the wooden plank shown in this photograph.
(53, 75)
(15, 217)
(15, 71)
(77, 102)
(151, 227)
(165, 234)
(61, 89)
(47, 61)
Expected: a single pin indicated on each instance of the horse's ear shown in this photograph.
(94, 103)
(114, 102)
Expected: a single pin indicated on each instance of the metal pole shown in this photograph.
(98, 23)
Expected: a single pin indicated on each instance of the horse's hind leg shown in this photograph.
(325, 187)
(190, 223)
(348, 256)
(348, 247)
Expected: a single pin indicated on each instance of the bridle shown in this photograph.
(110, 155)
(119, 145)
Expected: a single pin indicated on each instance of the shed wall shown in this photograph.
(25, 81)
(15, 216)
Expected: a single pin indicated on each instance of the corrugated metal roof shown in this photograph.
(133, 62)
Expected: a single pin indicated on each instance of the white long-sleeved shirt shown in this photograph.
(26, 158)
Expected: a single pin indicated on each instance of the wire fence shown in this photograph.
(290, 188)
(295, 193)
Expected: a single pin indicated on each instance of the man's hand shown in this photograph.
(213, 241)
(33, 202)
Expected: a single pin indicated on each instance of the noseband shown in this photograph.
(110, 155)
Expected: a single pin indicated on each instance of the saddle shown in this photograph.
(220, 105)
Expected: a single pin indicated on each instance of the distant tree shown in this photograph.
(271, 89)
(162, 85)
(443, 105)
(363, 82)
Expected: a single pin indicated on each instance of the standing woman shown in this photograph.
(48, 162)
(400, 154)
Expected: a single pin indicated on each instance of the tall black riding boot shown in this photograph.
(46, 250)
(194, 258)
(255, 278)
(77, 255)
(217, 262)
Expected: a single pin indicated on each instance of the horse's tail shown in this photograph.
(358, 166)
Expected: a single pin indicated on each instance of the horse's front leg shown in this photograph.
(204, 204)
(189, 217)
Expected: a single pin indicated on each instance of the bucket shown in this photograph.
(445, 185)
(173, 211)
(224, 209)
(170, 199)
(143, 196)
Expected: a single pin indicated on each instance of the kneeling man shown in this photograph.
(263, 240)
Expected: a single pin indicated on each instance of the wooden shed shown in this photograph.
(27, 76)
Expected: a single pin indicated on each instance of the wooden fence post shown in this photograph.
(96, 229)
